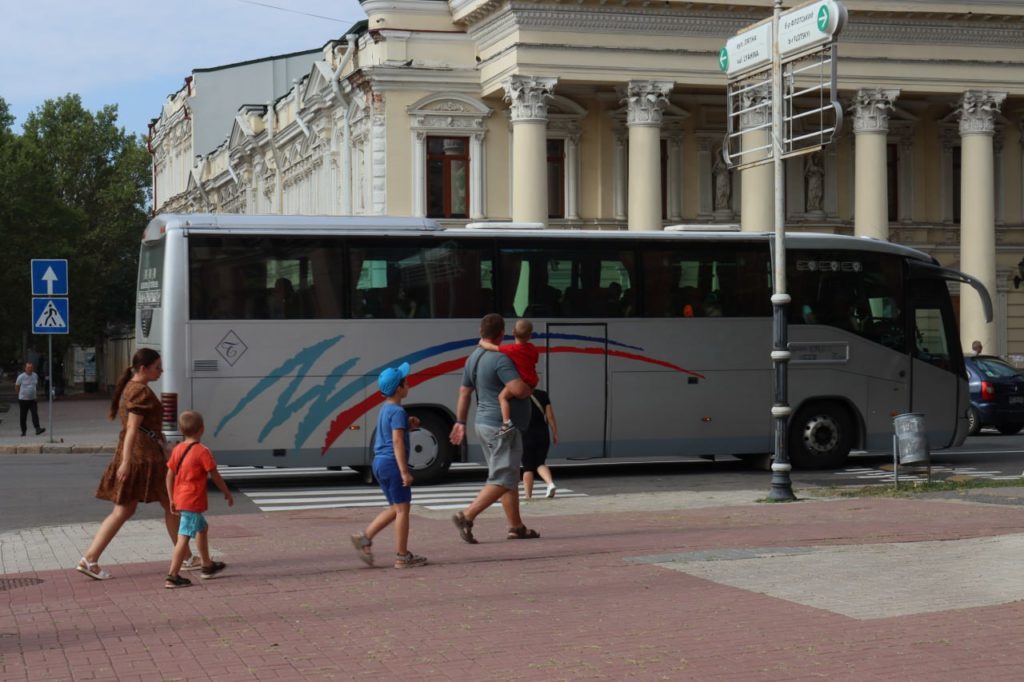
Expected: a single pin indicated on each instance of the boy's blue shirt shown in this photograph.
(391, 416)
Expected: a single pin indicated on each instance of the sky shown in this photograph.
(134, 53)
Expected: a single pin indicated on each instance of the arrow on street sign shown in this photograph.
(810, 25)
(49, 277)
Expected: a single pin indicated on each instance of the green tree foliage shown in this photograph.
(72, 185)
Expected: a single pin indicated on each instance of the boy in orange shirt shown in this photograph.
(524, 355)
(190, 463)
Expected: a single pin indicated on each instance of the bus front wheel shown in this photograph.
(430, 452)
(820, 436)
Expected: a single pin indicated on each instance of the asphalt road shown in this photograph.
(44, 490)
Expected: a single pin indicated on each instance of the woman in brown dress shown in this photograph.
(137, 472)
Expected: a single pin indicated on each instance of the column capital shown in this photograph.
(528, 97)
(977, 111)
(871, 107)
(759, 97)
(645, 101)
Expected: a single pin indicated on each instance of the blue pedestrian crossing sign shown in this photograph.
(50, 316)
(49, 277)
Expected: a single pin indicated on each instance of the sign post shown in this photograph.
(777, 50)
(50, 312)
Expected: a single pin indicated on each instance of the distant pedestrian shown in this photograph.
(537, 439)
(27, 384)
(975, 347)
(391, 469)
(137, 472)
(524, 356)
(487, 373)
(190, 465)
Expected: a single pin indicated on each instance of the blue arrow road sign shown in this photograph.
(50, 316)
(49, 277)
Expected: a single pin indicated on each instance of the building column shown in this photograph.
(757, 201)
(528, 98)
(977, 110)
(871, 127)
(645, 101)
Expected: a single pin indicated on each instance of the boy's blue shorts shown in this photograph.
(192, 523)
(385, 470)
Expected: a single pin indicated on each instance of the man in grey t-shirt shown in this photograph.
(27, 383)
(487, 373)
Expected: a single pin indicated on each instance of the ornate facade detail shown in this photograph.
(528, 97)
(871, 107)
(757, 101)
(977, 111)
(645, 101)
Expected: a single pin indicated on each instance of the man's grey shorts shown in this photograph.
(504, 456)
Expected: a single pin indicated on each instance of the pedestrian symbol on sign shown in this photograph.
(51, 319)
(50, 316)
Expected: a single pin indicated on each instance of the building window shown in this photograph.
(447, 177)
(556, 178)
(892, 171)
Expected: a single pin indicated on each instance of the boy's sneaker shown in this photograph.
(551, 492)
(410, 560)
(193, 563)
(173, 582)
(213, 569)
(506, 428)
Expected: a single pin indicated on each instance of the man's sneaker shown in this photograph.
(193, 563)
(410, 560)
(39, 431)
(551, 491)
(173, 582)
(506, 428)
(213, 569)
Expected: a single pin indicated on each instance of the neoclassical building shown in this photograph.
(592, 114)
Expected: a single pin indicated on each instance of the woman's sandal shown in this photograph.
(92, 569)
(363, 545)
(522, 533)
(173, 582)
(465, 527)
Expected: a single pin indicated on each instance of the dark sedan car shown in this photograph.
(997, 395)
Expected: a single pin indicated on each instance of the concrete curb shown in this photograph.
(55, 449)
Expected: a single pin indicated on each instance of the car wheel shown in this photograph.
(973, 421)
(430, 452)
(820, 436)
(1010, 429)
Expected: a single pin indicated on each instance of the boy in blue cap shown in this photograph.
(391, 469)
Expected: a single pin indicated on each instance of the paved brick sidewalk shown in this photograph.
(605, 596)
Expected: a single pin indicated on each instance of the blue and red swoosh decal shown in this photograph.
(348, 417)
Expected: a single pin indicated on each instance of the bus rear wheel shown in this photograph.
(820, 436)
(430, 452)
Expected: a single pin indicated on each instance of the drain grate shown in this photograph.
(14, 583)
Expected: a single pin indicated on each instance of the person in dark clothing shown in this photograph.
(536, 442)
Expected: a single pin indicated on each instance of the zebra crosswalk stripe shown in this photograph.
(453, 496)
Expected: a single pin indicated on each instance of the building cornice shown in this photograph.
(722, 22)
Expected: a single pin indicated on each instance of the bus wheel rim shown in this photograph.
(423, 449)
(821, 434)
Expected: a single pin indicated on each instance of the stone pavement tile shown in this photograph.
(568, 606)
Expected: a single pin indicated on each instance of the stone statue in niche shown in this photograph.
(814, 177)
(722, 182)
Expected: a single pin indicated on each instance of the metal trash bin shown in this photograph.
(912, 439)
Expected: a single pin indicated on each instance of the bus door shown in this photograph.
(576, 377)
(938, 377)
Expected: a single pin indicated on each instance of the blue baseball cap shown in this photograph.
(391, 377)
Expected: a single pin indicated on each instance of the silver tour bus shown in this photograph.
(653, 345)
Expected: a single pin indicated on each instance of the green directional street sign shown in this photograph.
(723, 59)
(823, 18)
